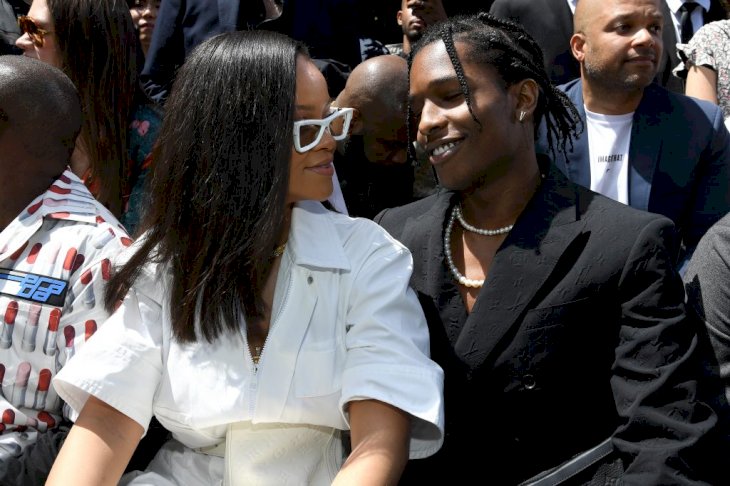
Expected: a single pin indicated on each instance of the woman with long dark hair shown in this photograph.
(94, 43)
(252, 322)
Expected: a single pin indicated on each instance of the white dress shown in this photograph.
(346, 326)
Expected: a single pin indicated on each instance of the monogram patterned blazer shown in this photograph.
(578, 334)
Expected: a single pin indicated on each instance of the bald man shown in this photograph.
(643, 145)
(56, 242)
(372, 164)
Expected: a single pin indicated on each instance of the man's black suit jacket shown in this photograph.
(578, 334)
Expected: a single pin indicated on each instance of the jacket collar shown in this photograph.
(66, 199)
(543, 234)
(314, 240)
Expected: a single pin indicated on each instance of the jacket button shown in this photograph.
(310, 279)
(529, 382)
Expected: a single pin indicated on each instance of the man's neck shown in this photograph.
(406, 45)
(609, 101)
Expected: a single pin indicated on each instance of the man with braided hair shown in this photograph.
(556, 313)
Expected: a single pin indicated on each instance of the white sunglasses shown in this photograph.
(308, 133)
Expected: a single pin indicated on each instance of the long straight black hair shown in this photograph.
(98, 47)
(218, 186)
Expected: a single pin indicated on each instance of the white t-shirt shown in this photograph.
(609, 137)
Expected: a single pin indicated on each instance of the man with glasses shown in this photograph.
(56, 245)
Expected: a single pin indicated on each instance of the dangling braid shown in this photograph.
(447, 35)
(515, 55)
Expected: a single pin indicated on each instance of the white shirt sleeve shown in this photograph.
(388, 348)
(122, 364)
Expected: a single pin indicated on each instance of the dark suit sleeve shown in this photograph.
(166, 52)
(712, 195)
(707, 283)
(655, 372)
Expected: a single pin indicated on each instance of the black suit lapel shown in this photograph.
(521, 267)
(425, 233)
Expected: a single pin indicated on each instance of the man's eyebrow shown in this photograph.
(436, 82)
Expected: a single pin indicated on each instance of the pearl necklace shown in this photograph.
(479, 231)
(456, 214)
(467, 282)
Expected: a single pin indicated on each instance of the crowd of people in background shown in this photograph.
(349, 242)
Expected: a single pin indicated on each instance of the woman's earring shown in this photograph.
(522, 116)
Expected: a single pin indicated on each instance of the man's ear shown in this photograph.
(526, 92)
(577, 46)
(356, 125)
(399, 17)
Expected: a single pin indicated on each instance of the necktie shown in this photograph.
(685, 21)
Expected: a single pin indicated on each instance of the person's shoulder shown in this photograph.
(712, 29)
(79, 219)
(392, 218)
(362, 238)
(357, 228)
(604, 211)
(710, 258)
(571, 86)
(513, 7)
(664, 106)
(716, 240)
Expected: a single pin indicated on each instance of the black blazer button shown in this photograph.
(528, 381)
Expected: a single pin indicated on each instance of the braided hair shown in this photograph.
(515, 55)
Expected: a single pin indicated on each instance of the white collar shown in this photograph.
(314, 239)
(674, 5)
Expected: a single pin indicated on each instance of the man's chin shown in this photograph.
(639, 81)
(414, 35)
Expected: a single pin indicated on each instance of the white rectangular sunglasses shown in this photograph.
(308, 133)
